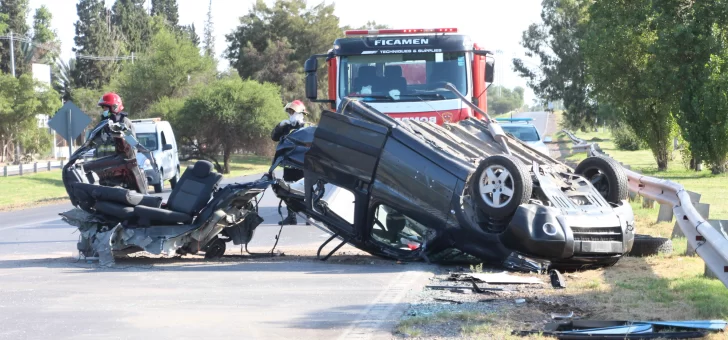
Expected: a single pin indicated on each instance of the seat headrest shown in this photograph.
(202, 168)
(365, 71)
(393, 71)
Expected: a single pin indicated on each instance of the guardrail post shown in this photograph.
(49, 165)
(35, 167)
(665, 214)
(722, 227)
(5, 171)
(704, 211)
(20, 169)
(694, 198)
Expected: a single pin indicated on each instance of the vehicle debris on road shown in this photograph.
(604, 330)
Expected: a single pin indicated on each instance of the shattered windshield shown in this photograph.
(412, 76)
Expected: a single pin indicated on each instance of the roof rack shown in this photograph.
(147, 120)
(513, 120)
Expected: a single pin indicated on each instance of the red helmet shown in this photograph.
(112, 101)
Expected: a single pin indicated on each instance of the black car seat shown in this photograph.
(394, 79)
(193, 190)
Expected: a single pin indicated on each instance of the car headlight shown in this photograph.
(147, 164)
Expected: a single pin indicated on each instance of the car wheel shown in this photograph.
(160, 186)
(173, 181)
(646, 245)
(606, 175)
(499, 185)
(215, 249)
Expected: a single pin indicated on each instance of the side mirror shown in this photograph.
(310, 68)
(547, 139)
(167, 147)
(311, 65)
(489, 70)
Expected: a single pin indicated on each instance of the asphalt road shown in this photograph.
(540, 120)
(46, 293)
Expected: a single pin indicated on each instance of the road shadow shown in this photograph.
(342, 264)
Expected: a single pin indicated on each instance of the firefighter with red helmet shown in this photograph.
(113, 110)
(296, 112)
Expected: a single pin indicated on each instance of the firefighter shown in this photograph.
(296, 113)
(112, 105)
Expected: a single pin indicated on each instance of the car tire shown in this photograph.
(646, 245)
(506, 174)
(607, 176)
(215, 249)
(159, 187)
(173, 180)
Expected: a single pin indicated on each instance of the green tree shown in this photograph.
(96, 41)
(133, 22)
(14, 18)
(619, 50)
(502, 100)
(307, 32)
(45, 39)
(562, 73)
(208, 42)
(229, 114)
(192, 34)
(19, 103)
(170, 68)
(167, 9)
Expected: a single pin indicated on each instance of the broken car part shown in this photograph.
(594, 330)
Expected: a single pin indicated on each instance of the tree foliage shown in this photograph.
(14, 18)
(229, 114)
(95, 36)
(167, 9)
(502, 100)
(132, 20)
(208, 42)
(19, 103)
(263, 30)
(170, 68)
(619, 51)
(562, 74)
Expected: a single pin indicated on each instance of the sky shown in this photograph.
(493, 24)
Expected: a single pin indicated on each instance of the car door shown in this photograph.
(166, 159)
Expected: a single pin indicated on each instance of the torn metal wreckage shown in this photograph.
(404, 190)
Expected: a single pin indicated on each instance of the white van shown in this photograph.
(157, 136)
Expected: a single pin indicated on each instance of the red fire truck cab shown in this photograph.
(401, 72)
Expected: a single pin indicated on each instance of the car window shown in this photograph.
(149, 140)
(164, 139)
(396, 230)
(526, 133)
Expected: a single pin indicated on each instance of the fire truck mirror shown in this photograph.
(489, 70)
(311, 85)
(311, 65)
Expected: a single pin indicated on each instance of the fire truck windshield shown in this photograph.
(403, 77)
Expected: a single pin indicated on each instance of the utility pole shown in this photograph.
(12, 54)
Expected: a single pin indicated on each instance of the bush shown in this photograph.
(626, 139)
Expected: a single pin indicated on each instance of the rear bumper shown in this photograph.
(546, 233)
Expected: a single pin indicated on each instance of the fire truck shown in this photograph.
(402, 72)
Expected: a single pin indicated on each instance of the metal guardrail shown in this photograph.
(22, 169)
(707, 241)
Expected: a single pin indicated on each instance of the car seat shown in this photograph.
(394, 79)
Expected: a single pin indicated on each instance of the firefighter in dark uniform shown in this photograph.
(113, 110)
(296, 112)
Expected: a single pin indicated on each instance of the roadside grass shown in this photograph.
(20, 191)
(468, 324)
(45, 187)
(241, 165)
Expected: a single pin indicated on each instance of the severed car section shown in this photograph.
(404, 190)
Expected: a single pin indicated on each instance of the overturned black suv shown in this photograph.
(404, 190)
